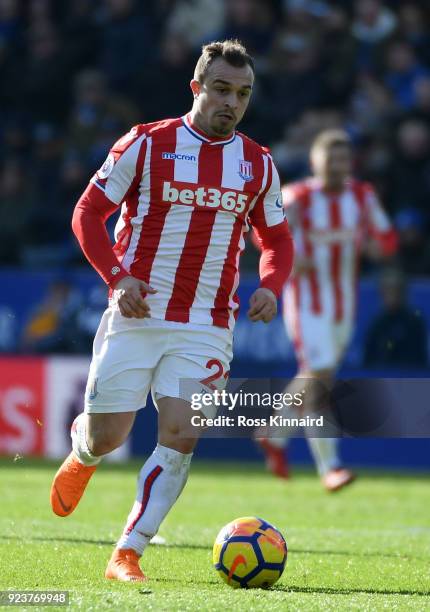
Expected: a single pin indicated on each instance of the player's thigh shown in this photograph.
(122, 366)
(197, 362)
(314, 341)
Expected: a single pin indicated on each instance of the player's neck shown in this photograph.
(198, 123)
(332, 188)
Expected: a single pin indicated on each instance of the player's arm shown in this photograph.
(274, 239)
(107, 189)
(381, 238)
(291, 196)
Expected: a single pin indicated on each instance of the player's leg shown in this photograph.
(308, 334)
(118, 383)
(93, 436)
(317, 384)
(162, 477)
(325, 448)
(165, 473)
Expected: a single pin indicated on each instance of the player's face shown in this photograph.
(332, 165)
(222, 99)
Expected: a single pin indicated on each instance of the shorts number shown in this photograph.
(214, 364)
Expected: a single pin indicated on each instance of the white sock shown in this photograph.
(325, 453)
(79, 442)
(159, 485)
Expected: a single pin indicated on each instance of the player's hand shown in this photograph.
(129, 294)
(263, 305)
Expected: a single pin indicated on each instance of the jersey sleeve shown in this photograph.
(268, 210)
(110, 186)
(290, 197)
(122, 168)
(272, 234)
(378, 224)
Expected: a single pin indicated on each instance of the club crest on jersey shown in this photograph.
(245, 170)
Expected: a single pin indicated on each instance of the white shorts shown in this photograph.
(319, 342)
(133, 356)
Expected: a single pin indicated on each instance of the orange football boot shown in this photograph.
(69, 484)
(337, 479)
(124, 566)
(275, 458)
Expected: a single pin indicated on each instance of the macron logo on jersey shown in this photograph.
(179, 156)
(230, 201)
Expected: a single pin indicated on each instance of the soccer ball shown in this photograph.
(249, 552)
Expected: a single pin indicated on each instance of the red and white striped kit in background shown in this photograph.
(186, 200)
(328, 229)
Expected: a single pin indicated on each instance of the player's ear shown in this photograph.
(195, 87)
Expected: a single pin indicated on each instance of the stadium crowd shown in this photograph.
(74, 75)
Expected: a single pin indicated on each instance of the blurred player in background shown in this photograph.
(333, 218)
(187, 188)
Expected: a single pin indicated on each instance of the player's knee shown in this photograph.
(103, 442)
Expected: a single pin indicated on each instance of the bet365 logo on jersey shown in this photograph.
(210, 197)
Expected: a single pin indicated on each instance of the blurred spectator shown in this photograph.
(403, 72)
(252, 21)
(422, 99)
(414, 251)
(294, 66)
(81, 33)
(42, 82)
(195, 21)
(408, 175)
(9, 19)
(52, 326)
(76, 75)
(126, 43)
(414, 28)
(373, 24)
(15, 137)
(292, 155)
(398, 336)
(98, 117)
(172, 73)
(370, 105)
(15, 210)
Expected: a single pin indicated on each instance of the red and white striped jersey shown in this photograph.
(328, 229)
(186, 200)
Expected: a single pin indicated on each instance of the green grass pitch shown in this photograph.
(365, 548)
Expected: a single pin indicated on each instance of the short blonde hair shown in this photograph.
(232, 51)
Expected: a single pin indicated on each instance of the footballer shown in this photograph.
(333, 218)
(186, 190)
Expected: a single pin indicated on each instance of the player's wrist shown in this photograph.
(117, 274)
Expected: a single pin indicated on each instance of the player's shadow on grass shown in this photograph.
(333, 591)
(286, 588)
(296, 551)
